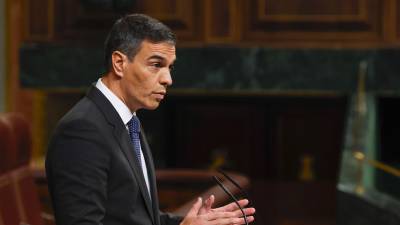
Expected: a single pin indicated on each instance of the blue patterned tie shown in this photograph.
(134, 133)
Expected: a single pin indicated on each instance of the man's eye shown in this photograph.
(171, 68)
(157, 65)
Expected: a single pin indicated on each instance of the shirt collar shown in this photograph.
(123, 111)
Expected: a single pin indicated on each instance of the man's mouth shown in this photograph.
(159, 95)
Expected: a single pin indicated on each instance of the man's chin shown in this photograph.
(153, 106)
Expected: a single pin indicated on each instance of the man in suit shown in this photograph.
(99, 166)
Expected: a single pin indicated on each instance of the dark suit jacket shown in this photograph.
(92, 172)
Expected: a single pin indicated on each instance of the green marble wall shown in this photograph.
(212, 68)
(258, 69)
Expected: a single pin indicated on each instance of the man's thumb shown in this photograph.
(195, 208)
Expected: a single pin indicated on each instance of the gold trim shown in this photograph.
(377, 164)
(7, 77)
(38, 145)
(361, 104)
(3, 55)
(359, 156)
(384, 167)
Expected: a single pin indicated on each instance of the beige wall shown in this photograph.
(2, 56)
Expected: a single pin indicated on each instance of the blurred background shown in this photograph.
(298, 97)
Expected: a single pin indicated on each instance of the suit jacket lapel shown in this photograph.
(122, 137)
(151, 173)
(128, 150)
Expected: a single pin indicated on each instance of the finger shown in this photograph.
(218, 215)
(249, 220)
(210, 201)
(237, 213)
(232, 206)
(195, 208)
(247, 211)
(206, 207)
(228, 221)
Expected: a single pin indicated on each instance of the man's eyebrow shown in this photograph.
(160, 58)
(156, 57)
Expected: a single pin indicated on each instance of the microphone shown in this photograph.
(243, 192)
(219, 182)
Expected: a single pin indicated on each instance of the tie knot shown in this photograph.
(134, 125)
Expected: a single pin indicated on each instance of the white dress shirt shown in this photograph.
(125, 113)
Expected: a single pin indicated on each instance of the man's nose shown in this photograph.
(166, 79)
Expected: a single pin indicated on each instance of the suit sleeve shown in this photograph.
(170, 219)
(77, 169)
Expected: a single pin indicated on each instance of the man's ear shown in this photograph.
(118, 60)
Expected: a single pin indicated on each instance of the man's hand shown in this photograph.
(203, 214)
(206, 207)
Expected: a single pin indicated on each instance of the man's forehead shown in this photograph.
(160, 48)
(164, 51)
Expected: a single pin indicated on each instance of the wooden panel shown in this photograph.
(394, 4)
(294, 203)
(313, 20)
(390, 20)
(221, 21)
(308, 134)
(166, 9)
(84, 20)
(311, 10)
(18, 98)
(38, 20)
(208, 134)
(267, 22)
(184, 17)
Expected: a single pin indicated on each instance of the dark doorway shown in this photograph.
(388, 143)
